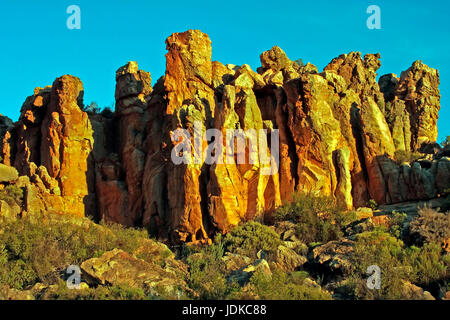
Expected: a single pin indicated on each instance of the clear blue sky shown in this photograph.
(37, 47)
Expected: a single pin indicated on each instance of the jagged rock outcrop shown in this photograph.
(6, 125)
(120, 164)
(51, 144)
(132, 91)
(66, 144)
(196, 197)
(155, 163)
(413, 105)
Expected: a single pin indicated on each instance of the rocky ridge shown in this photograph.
(341, 134)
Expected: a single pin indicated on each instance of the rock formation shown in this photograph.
(51, 144)
(339, 134)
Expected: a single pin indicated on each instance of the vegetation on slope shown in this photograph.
(288, 260)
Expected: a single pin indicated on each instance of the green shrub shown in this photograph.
(207, 273)
(300, 62)
(251, 237)
(317, 218)
(421, 266)
(385, 251)
(428, 263)
(396, 224)
(12, 195)
(39, 248)
(108, 112)
(429, 226)
(93, 108)
(283, 286)
(116, 292)
(15, 273)
(372, 204)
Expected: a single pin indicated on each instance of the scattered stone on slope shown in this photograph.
(118, 267)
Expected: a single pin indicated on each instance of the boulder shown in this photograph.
(412, 292)
(364, 212)
(334, 255)
(288, 260)
(118, 267)
(360, 226)
(243, 275)
(7, 293)
(7, 173)
(234, 261)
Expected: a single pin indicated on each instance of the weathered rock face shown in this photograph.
(6, 125)
(412, 106)
(189, 201)
(67, 142)
(172, 193)
(150, 163)
(51, 144)
(190, 103)
(132, 91)
(417, 92)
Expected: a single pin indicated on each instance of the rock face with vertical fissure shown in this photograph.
(340, 132)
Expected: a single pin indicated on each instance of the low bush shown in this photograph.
(429, 226)
(39, 248)
(11, 194)
(428, 264)
(385, 251)
(317, 218)
(116, 292)
(251, 237)
(398, 263)
(283, 286)
(396, 224)
(446, 142)
(207, 273)
(372, 204)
